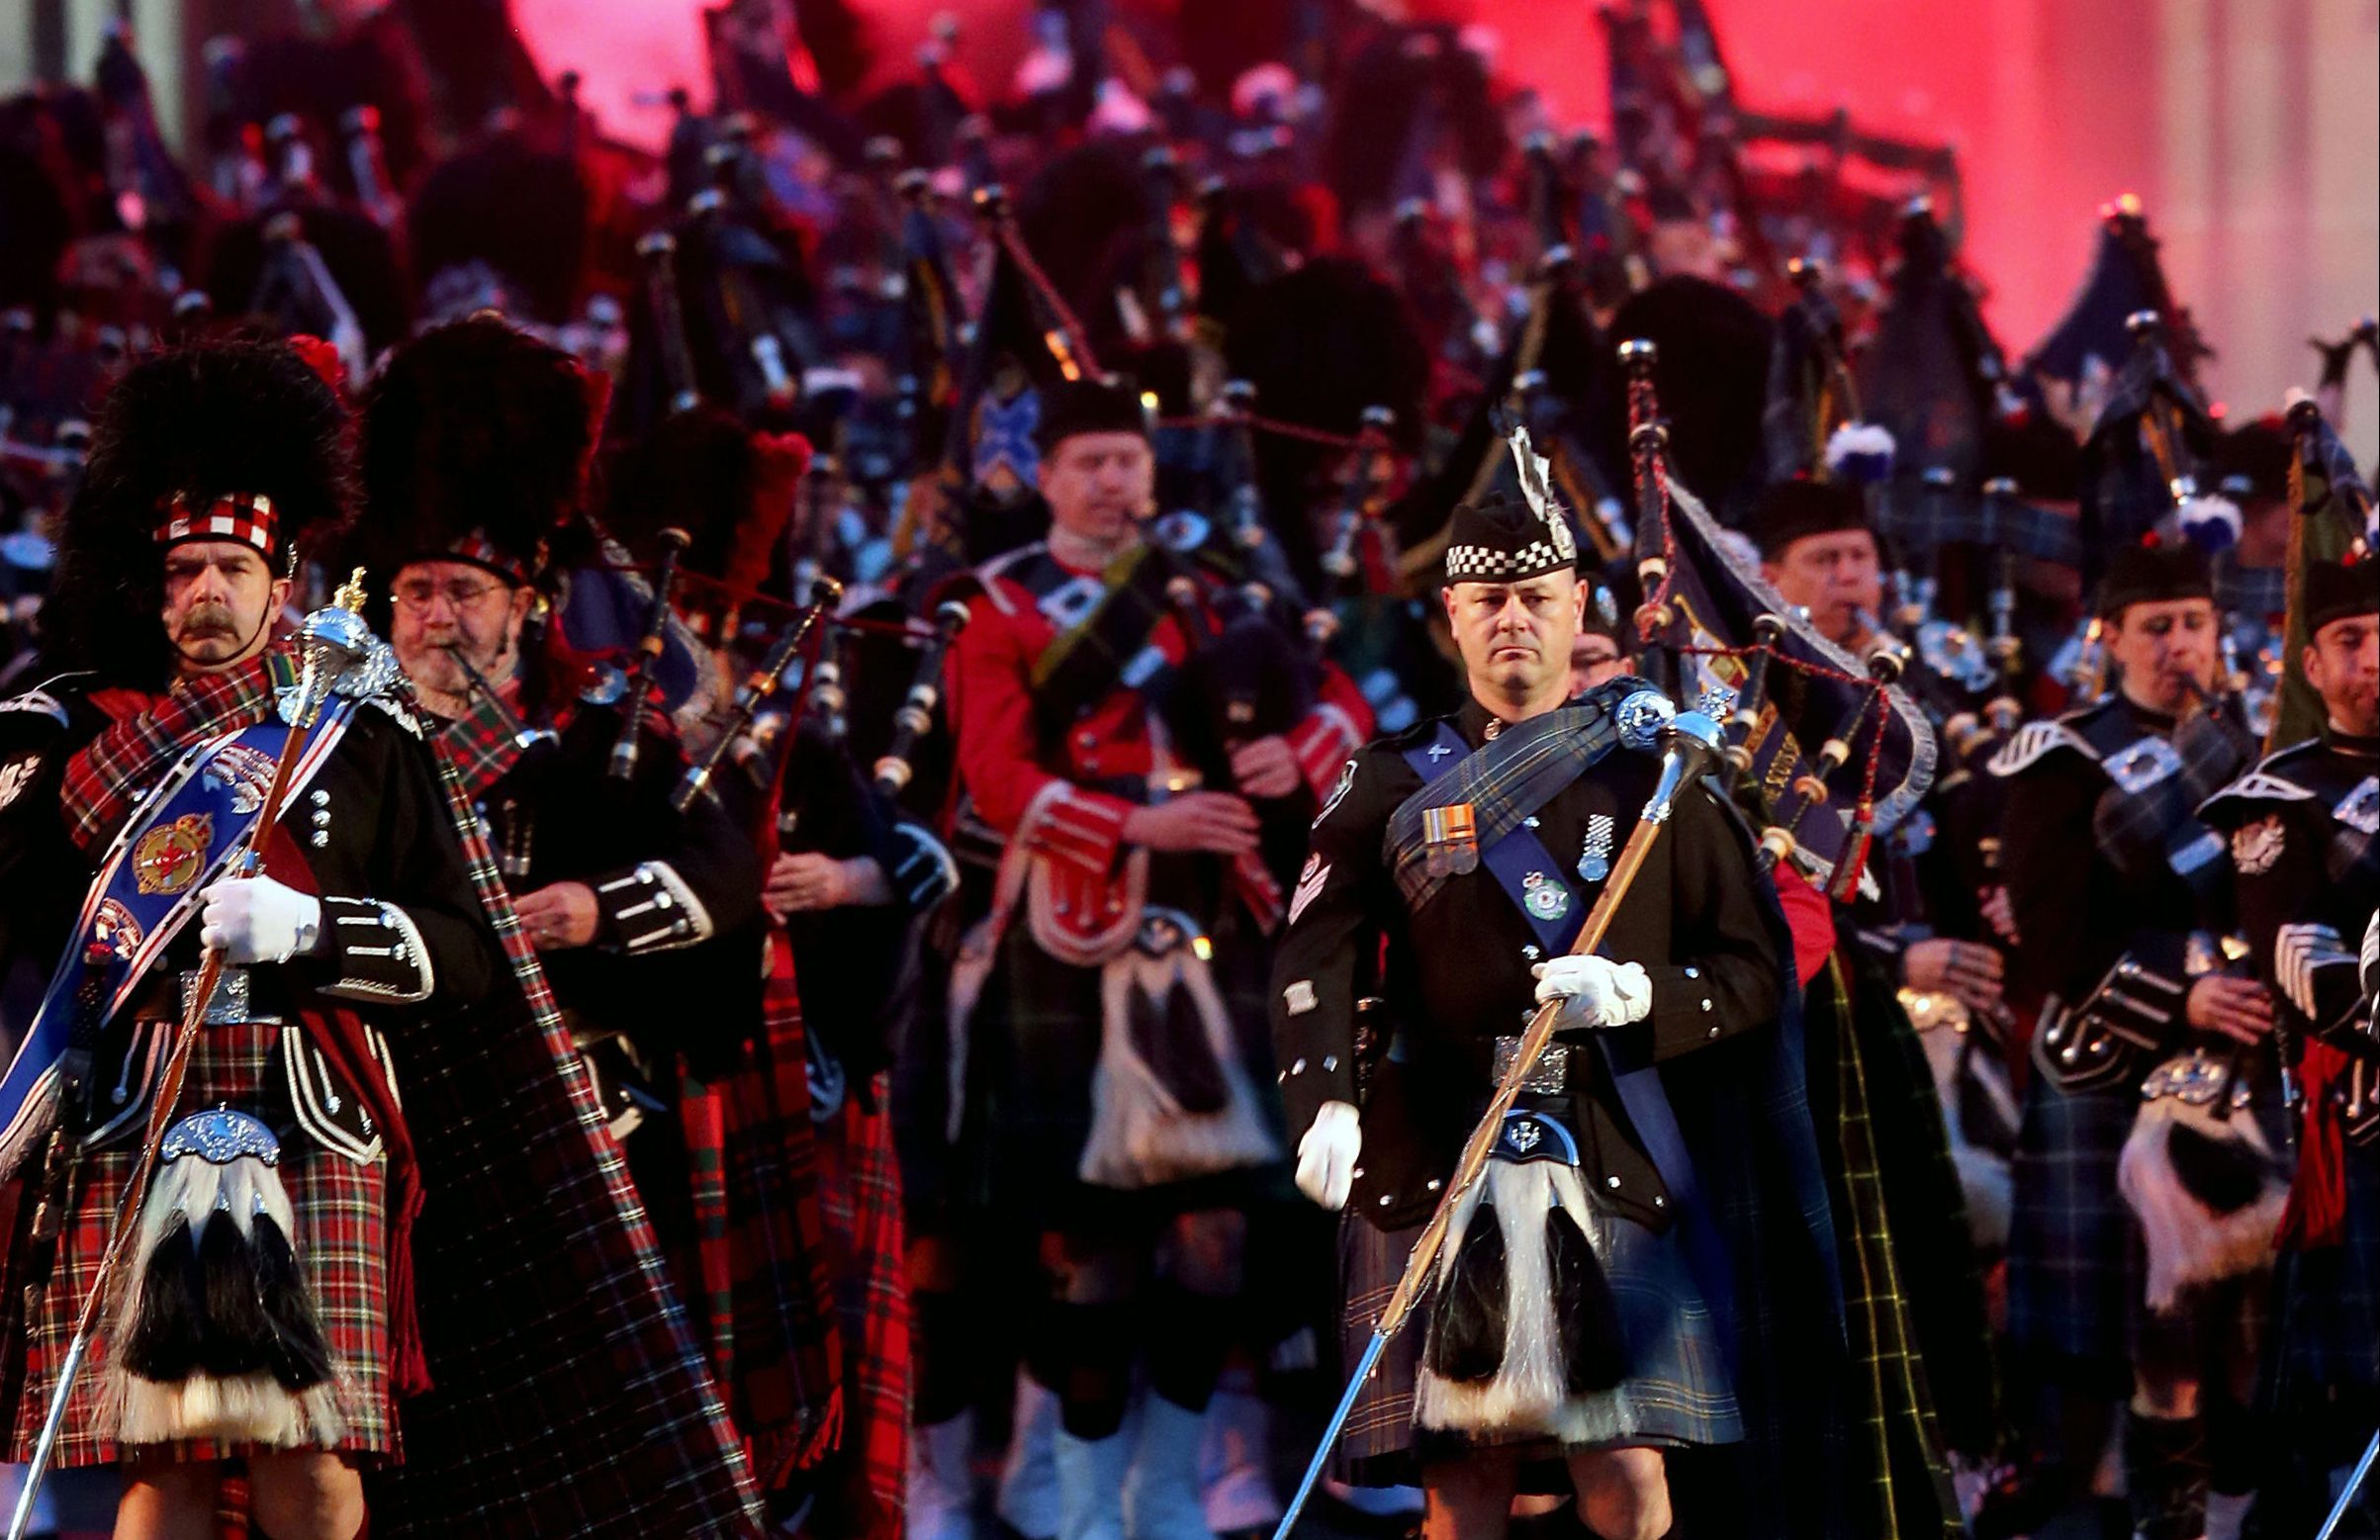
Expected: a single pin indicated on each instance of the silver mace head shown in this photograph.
(1690, 743)
(333, 639)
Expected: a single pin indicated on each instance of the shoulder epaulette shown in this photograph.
(36, 700)
(2268, 782)
(990, 575)
(2036, 738)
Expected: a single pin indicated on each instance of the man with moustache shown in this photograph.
(271, 1324)
(2304, 833)
(1114, 1061)
(2107, 959)
(1586, 1329)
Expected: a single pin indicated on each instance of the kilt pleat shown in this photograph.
(2328, 1300)
(2073, 1272)
(859, 1192)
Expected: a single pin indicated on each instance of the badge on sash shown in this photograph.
(1450, 838)
(169, 859)
(2143, 764)
(1594, 855)
(1546, 899)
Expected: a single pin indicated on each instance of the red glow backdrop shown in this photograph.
(2247, 125)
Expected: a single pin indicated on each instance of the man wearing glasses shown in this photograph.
(475, 441)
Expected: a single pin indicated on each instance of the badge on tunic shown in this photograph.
(2359, 809)
(16, 774)
(1594, 855)
(1450, 838)
(1338, 792)
(169, 859)
(1309, 883)
(1545, 899)
(2255, 846)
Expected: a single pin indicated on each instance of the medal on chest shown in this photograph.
(1595, 852)
(1451, 840)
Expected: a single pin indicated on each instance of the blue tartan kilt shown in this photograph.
(1678, 1390)
(2073, 1268)
(2329, 1302)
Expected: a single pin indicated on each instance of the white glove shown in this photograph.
(1326, 1155)
(1595, 991)
(258, 920)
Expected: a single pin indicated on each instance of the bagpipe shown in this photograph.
(1827, 750)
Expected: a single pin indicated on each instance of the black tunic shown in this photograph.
(1456, 974)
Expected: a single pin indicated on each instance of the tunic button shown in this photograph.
(1435, 1184)
(1612, 1181)
(1707, 1005)
(1714, 1032)
(1386, 1198)
(1298, 1068)
(1356, 1174)
(1693, 972)
(1660, 1201)
(1330, 1063)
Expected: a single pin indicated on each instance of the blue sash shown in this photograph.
(184, 837)
(1521, 867)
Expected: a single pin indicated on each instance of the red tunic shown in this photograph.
(1049, 799)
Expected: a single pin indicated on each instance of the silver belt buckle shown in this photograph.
(1549, 1077)
(229, 1005)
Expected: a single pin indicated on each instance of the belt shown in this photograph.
(229, 1005)
(1549, 1077)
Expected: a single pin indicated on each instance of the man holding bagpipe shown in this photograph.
(474, 439)
(2304, 833)
(1587, 1319)
(2117, 904)
(1142, 764)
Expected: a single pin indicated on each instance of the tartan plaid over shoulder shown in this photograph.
(571, 1398)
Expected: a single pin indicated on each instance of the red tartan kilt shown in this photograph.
(341, 1246)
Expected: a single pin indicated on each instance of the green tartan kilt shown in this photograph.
(2329, 1301)
(2074, 1269)
(1678, 1390)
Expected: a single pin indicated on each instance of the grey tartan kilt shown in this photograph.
(2072, 1262)
(2329, 1301)
(1678, 1388)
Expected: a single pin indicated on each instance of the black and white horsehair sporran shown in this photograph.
(1690, 743)
(332, 638)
